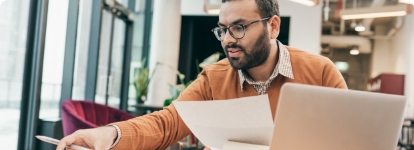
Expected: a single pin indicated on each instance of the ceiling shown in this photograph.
(334, 21)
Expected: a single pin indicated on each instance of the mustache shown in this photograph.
(234, 46)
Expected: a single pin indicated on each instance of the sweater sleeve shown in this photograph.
(332, 77)
(163, 128)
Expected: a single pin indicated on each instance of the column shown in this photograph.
(165, 43)
(409, 60)
(381, 62)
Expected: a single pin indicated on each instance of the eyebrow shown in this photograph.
(234, 22)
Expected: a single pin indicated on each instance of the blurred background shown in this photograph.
(136, 55)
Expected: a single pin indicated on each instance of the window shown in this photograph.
(13, 27)
(53, 58)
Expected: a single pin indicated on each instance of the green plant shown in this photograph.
(141, 82)
(175, 90)
(210, 60)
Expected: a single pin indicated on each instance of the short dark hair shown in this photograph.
(267, 8)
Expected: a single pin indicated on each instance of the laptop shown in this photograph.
(321, 118)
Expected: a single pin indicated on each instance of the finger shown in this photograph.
(101, 145)
(66, 141)
(207, 148)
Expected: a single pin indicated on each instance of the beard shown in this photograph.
(258, 54)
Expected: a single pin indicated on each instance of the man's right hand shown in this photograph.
(98, 138)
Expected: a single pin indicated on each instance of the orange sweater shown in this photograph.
(217, 82)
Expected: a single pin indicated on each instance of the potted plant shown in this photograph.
(141, 82)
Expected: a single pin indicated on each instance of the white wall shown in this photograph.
(400, 47)
(193, 8)
(381, 61)
(402, 58)
(408, 50)
(305, 25)
(305, 22)
(409, 79)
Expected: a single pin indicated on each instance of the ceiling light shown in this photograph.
(307, 2)
(385, 11)
(406, 1)
(375, 15)
(213, 11)
(354, 52)
(360, 27)
(212, 8)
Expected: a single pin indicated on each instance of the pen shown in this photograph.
(56, 142)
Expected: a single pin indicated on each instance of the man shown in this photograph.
(256, 64)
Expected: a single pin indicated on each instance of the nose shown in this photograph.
(228, 39)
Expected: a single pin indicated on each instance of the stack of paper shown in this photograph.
(245, 120)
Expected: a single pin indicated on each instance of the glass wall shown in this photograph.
(53, 58)
(82, 46)
(13, 33)
(111, 57)
(115, 75)
(123, 2)
(138, 45)
(104, 53)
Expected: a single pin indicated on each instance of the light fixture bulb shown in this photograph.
(374, 15)
(406, 1)
(374, 12)
(305, 2)
(360, 27)
(354, 52)
(213, 11)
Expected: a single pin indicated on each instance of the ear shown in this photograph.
(274, 26)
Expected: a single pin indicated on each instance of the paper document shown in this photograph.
(229, 145)
(245, 120)
(56, 142)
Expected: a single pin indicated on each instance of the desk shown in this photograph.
(142, 109)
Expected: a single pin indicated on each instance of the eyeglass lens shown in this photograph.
(237, 31)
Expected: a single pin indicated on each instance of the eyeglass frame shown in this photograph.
(231, 33)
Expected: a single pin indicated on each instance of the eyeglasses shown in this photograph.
(237, 31)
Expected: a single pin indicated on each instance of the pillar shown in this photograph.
(409, 60)
(165, 43)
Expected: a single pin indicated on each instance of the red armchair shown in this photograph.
(85, 114)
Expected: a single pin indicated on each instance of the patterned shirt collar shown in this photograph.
(283, 67)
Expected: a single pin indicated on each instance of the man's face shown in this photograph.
(254, 48)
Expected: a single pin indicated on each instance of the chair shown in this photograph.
(85, 114)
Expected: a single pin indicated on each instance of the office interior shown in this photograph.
(52, 51)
